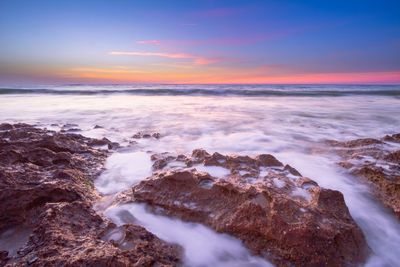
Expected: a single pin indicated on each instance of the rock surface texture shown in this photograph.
(276, 212)
(376, 161)
(46, 200)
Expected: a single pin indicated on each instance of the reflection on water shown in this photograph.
(288, 127)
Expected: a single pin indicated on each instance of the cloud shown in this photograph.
(181, 72)
(196, 59)
(120, 69)
(149, 42)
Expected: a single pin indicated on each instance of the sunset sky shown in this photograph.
(205, 41)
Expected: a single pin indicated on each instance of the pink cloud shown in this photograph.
(196, 59)
(149, 42)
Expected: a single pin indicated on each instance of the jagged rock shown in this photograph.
(392, 138)
(71, 234)
(46, 187)
(376, 161)
(275, 211)
(39, 166)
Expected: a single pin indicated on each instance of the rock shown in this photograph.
(288, 219)
(140, 135)
(39, 166)
(70, 130)
(378, 163)
(6, 126)
(71, 234)
(392, 138)
(113, 145)
(356, 143)
(46, 184)
(100, 142)
(3, 257)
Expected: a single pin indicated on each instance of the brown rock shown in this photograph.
(392, 138)
(378, 163)
(357, 142)
(71, 234)
(46, 186)
(3, 258)
(290, 222)
(140, 135)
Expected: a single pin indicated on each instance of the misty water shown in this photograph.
(290, 127)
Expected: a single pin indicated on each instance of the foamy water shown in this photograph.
(202, 246)
(123, 169)
(287, 126)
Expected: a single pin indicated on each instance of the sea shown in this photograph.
(292, 122)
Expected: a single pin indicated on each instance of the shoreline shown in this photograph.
(74, 144)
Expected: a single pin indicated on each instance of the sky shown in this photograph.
(208, 41)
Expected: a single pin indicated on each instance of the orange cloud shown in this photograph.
(196, 59)
(226, 76)
(330, 78)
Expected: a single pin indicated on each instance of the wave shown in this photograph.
(299, 91)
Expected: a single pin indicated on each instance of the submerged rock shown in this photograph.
(46, 186)
(140, 135)
(376, 161)
(276, 212)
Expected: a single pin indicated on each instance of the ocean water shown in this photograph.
(288, 121)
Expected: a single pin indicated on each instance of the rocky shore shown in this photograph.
(276, 212)
(47, 195)
(47, 200)
(376, 161)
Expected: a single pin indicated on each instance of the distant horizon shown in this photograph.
(206, 84)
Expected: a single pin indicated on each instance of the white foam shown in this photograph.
(176, 165)
(116, 234)
(300, 192)
(124, 170)
(215, 171)
(264, 171)
(202, 246)
(279, 183)
(206, 184)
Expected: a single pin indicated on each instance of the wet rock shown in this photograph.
(140, 135)
(6, 126)
(71, 234)
(70, 130)
(33, 170)
(292, 170)
(100, 142)
(46, 184)
(392, 138)
(113, 145)
(356, 143)
(3, 257)
(288, 219)
(377, 162)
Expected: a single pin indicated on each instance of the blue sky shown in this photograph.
(199, 41)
